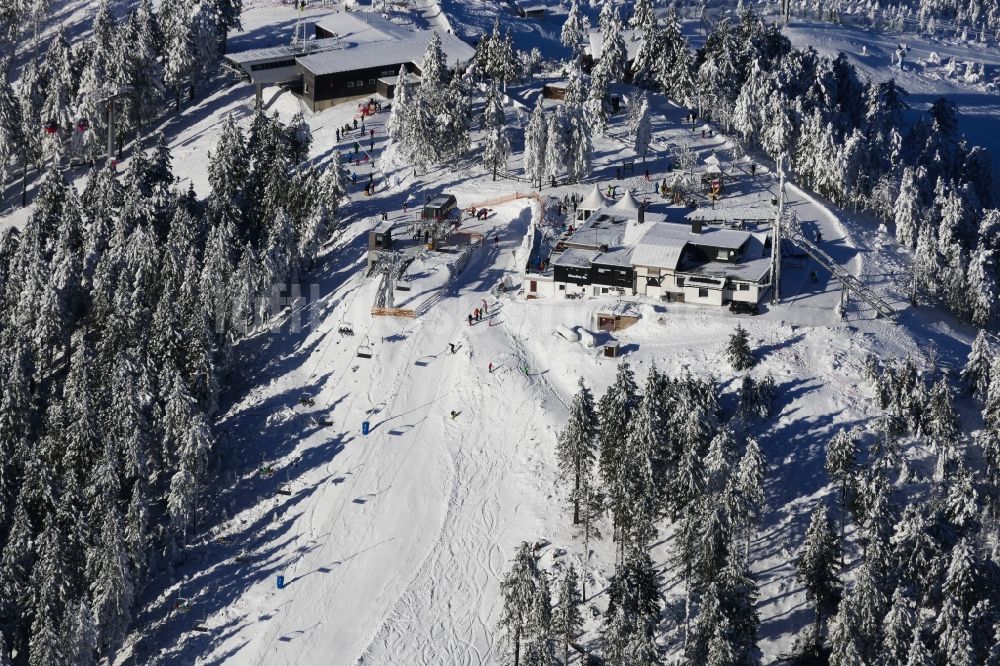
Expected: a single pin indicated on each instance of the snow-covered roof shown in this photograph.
(658, 252)
(362, 27)
(739, 213)
(575, 258)
(712, 159)
(594, 200)
(604, 228)
(633, 40)
(380, 54)
(628, 202)
(621, 256)
(713, 169)
(280, 52)
(393, 80)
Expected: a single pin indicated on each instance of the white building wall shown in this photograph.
(714, 296)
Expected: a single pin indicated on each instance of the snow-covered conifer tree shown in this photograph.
(496, 147)
(573, 32)
(567, 619)
(909, 211)
(526, 614)
(975, 375)
(616, 408)
(535, 143)
(643, 17)
(841, 466)
(738, 351)
(575, 448)
(941, 424)
(981, 287)
(596, 105)
(396, 125)
(818, 563)
(555, 144)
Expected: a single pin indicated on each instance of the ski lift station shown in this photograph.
(349, 53)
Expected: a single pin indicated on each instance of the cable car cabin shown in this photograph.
(380, 238)
(439, 207)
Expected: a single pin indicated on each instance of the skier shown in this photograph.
(405, 206)
(371, 134)
(338, 136)
(355, 123)
(451, 345)
(453, 414)
(475, 314)
(485, 308)
(491, 367)
(496, 239)
(354, 178)
(647, 175)
(470, 320)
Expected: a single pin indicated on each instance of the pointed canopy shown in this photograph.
(712, 159)
(627, 203)
(594, 200)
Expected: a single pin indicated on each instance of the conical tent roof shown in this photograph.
(627, 202)
(594, 200)
(712, 159)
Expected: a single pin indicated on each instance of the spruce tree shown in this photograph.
(535, 140)
(496, 148)
(975, 376)
(526, 614)
(738, 351)
(616, 409)
(576, 445)
(817, 564)
(841, 466)
(573, 33)
(897, 629)
(567, 620)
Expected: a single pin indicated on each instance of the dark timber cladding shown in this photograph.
(354, 71)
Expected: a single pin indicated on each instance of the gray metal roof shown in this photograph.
(574, 258)
(381, 54)
(662, 253)
(362, 27)
(723, 213)
(282, 52)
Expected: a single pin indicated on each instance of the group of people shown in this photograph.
(477, 314)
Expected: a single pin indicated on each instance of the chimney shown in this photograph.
(642, 214)
(696, 226)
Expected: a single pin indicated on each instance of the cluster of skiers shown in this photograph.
(477, 314)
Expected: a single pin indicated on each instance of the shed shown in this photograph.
(556, 90)
(531, 10)
(617, 317)
(386, 86)
(610, 348)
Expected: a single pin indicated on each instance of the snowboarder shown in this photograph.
(453, 414)
(451, 345)
(491, 367)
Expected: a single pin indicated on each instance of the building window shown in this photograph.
(562, 287)
(371, 82)
(680, 282)
(702, 293)
(744, 287)
(350, 84)
(604, 290)
(361, 84)
(722, 254)
(305, 88)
